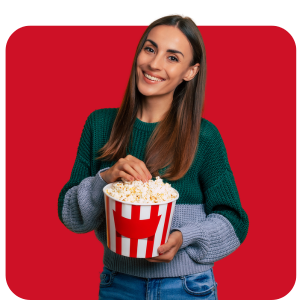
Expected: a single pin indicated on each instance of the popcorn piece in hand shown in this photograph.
(124, 180)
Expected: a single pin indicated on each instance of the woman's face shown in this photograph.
(166, 55)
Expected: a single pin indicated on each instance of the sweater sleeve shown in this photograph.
(226, 224)
(81, 200)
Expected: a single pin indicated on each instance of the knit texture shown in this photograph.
(208, 212)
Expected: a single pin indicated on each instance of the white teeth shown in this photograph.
(152, 78)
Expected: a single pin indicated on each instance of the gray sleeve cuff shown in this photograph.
(102, 171)
(210, 240)
(84, 205)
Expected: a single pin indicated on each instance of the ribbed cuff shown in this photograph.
(102, 171)
(191, 233)
(98, 184)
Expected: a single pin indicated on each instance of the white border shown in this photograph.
(18, 13)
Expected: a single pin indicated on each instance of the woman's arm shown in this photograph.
(226, 224)
(81, 200)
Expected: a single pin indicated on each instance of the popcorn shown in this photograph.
(152, 191)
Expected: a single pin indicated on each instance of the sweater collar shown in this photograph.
(138, 124)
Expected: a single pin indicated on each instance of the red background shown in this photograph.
(57, 75)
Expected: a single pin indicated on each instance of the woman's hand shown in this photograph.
(169, 249)
(129, 168)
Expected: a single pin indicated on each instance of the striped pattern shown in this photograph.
(131, 247)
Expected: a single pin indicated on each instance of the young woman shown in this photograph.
(159, 131)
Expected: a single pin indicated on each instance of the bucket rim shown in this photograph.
(141, 204)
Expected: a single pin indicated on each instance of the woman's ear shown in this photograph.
(192, 72)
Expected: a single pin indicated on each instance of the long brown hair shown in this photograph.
(173, 143)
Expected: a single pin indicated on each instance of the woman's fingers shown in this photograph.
(126, 176)
(140, 170)
(128, 168)
(140, 165)
(146, 171)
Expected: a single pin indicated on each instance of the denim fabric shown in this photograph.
(119, 286)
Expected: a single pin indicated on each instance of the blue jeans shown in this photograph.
(119, 286)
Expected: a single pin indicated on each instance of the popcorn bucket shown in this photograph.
(137, 229)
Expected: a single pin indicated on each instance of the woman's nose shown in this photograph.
(156, 62)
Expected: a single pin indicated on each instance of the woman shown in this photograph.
(159, 131)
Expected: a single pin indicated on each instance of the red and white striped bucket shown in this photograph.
(134, 229)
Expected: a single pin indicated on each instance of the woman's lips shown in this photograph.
(150, 81)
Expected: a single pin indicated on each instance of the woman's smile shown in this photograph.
(151, 79)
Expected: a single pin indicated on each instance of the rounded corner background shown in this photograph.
(14, 33)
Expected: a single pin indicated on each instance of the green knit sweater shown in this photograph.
(208, 212)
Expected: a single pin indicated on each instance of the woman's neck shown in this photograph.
(153, 109)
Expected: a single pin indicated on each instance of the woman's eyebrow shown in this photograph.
(169, 50)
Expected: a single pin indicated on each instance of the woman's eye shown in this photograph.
(175, 58)
(148, 48)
